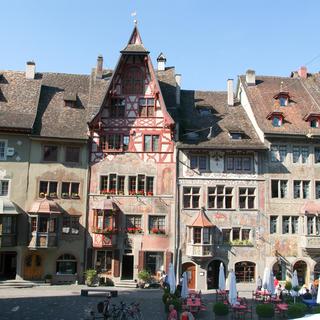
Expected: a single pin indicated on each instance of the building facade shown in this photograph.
(132, 170)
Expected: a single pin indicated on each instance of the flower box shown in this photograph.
(132, 193)
(157, 231)
(103, 231)
(134, 230)
(75, 196)
(65, 196)
(149, 193)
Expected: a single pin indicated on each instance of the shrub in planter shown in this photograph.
(297, 310)
(90, 275)
(288, 285)
(220, 309)
(265, 311)
(316, 309)
(144, 276)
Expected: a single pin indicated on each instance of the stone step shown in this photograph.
(21, 284)
(126, 284)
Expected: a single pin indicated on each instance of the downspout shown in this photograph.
(177, 219)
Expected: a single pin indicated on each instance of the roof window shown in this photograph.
(276, 117)
(70, 99)
(236, 135)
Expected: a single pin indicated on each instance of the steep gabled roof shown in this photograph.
(201, 220)
(135, 45)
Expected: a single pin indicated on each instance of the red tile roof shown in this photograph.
(201, 220)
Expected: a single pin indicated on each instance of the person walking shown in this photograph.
(186, 314)
(173, 315)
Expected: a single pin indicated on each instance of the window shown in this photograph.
(238, 163)
(199, 162)
(48, 188)
(245, 271)
(276, 121)
(273, 224)
(104, 261)
(314, 123)
(104, 219)
(290, 224)
(235, 135)
(70, 190)
(279, 188)
(66, 264)
(114, 142)
(120, 184)
(300, 154)
(278, 153)
(154, 262)
(133, 221)
(317, 155)
(235, 234)
(313, 225)
(3, 150)
(132, 185)
(112, 184)
(220, 197)
(118, 108)
(317, 189)
(149, 187)
(50, 153)
(4, 188)
(226, 235)
(125, 142)
(283, 101)
(72, 154)
(151, 143)
(247, 198)
(43, 224)
(191, 197)
(196, 235)
(146, 107)
(301, 189)
(70, 225)
(8, 224)
(157, 224)
(133, 81)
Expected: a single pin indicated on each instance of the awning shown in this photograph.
(106, 204)
(310, 207)
(45, 206)
(201, 220)
(7, 207)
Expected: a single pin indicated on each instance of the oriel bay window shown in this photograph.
(220, 197)
(103, 221)
(191, 197)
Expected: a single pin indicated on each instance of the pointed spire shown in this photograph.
(135, 44)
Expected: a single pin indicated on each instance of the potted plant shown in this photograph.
(265, 311)
(90, 276)
(48, 278)
(52, 194)
(75, 196)
(149, 193)
(297, 310)
(65, 195)
(221, 310)
(144, 277)
(288, 286)
(42, 195)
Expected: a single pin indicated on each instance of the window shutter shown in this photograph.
(116, 263)
(169, 256)
(141, 260)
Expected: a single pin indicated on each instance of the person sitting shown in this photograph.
(186, 315)
(172, 313)
(307, 295)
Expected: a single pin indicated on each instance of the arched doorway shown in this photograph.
(33, 267)
(279, 270)
(213, 274)
(301, 268)
(190, 268)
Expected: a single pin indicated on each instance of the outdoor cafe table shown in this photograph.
(275, 300)
(238, 309)
(282, 307)
(194, 304)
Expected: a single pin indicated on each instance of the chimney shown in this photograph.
(230, 92)
(99, 69)
(30, 70)
(303, 72)
(251, 78)
(161, 62)
(178, 88)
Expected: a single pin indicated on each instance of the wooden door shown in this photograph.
(33, 267)
(190, 268)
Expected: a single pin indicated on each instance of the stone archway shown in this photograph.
(213, 274)
(301, 267)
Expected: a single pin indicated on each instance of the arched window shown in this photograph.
(245, 271)
(66, 264)
(133, 81)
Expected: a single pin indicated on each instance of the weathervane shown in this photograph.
(134, 14)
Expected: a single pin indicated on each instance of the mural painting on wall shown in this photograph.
(286, 247)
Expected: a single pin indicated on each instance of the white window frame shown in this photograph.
(7, 196)
(5, 149)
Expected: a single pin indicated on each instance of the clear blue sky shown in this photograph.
(207, 41)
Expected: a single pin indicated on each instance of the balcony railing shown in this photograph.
(8, 240)
(43, 240)
(311, 242)
(104, 241)
(199, 250)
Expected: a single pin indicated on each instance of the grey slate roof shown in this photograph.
(134, 48)
(206, 121)
(18, 99)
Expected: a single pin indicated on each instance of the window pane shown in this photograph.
(72, 154)
(283, 188)
(305, 189)
(317, 189)
(125, 142)
(230, 165)
(2, 150)
(196, 235)
(132, 185)
(295, 154)
(294, 224)
(4, 188)
(149, 185)
(282, 153)
(65, 189)
(155, 143)
(304, 154)
(285, 224)
(112, 183)
(236, 234)
(274, 188)
(273, 224)
(50, 153)
(226, 235)
(147, 143)
(202, 162)
(121, 180)
(193, 162)
(141, 183)
(296, 189)
(75, 189)
(245, 234)
(317, 155)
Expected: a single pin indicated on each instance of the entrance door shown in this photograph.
(190, 268)
(33, 267)
(213, 274)
(127, 267)
(8, 265)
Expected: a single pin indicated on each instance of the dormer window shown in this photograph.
(234, 135)
(283, 98)
(70, 99)
(277, 118)
(313, 118)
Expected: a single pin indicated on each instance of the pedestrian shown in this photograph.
(163, 279)
(172, 313)
(259, 283)
(186, 314)
(275, 282)
(279, 292)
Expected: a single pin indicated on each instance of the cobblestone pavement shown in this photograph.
(65, 302)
